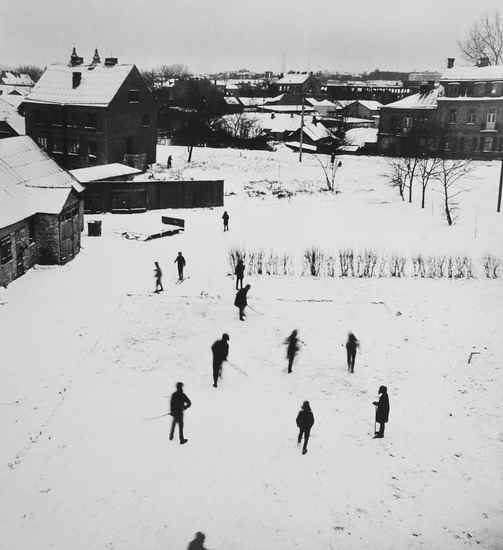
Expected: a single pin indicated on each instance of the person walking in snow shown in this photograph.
(169, 162)
(241, 301)
(382, 411)
(292, 348)
(352, 345)
(158, 278)
(225, 217)
(305, 421)
(239, 272)
(178, 404)
(180, 260)
(220, 350)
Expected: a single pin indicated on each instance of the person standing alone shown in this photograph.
(241, 301)
(220, 350)
(352, 345)
(225, 217)
(158, 278)
(179, 403)
(382, 411)
(292, 348)
(305, 421)
(180, 261)
(239, 272)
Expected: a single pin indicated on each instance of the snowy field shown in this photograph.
(90, 355)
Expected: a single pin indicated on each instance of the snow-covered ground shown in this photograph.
(90, 355)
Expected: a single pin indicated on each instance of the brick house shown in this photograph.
(298, 84)
(41, 210)
(470, 110)
(85, 115)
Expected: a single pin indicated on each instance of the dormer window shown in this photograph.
(133, 96)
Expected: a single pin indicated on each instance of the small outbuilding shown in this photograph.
(41, 209)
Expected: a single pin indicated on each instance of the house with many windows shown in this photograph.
(100, 113)
(470, 110)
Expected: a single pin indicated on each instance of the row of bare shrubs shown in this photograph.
(361, 264)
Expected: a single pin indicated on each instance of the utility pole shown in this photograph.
(500, 188)
(301, 128)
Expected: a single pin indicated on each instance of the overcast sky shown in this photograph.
(222, 34)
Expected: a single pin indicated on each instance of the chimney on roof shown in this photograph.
(96, 57)
(483, 62)
(110, 61)
(450, 62)
(76, 79)
(75, 59)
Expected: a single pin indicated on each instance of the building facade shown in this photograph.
(41, 210)
(85, 115)
(470, 110)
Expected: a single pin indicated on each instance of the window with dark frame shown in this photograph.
(43, 142)
(92, 149)
(145, 120)
(73, 147)
(90, 121)
(31, 230)
(133, 96)
(452, 116)
(5, 250)
(471, 117)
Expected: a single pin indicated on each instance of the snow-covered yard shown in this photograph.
(90, 355)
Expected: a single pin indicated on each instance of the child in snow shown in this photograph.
(158, 278)
(351, 346)
(178, 404)
(292, 347)
(180, 260)
(382, 411)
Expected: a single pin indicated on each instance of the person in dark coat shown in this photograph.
(239, 272)
(241, 301)
(305, 421)
(180, 260)
(169, 161)
(158, 278)
(198, 542)
(179, 403)
(225, 217)
(292, 347)
(220, 350)
(352, 345)
(382, 411)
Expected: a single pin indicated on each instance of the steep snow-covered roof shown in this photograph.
(102, 172)
(9, 114)
(286, 108)
(316, 131)
(293, 78)
(30, 181)
(370, 104)
(12, 79)
(98, 85)
(320, 102)
(471, 73)
(416, 101)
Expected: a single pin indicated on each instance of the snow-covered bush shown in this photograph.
(491, 266)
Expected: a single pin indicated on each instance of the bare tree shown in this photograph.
(427, 170)
(401, 174)
(485, 39)
(241, 126)
(448, 174)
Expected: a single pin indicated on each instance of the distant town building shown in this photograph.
(383, 91)
(41, 210)
(84, 115)
(11, 83)
(299, 84)
(363, 108)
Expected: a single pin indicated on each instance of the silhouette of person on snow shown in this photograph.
(292, 348)
(158, 278)
(241, 301)
(180, 261)
(225, 217)
(352, 345)
(382, 411)
(198, 542)
(305, 421)
(220, 350)
(239, 271)
(169, 161)
(178, 404)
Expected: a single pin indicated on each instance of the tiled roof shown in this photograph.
(30, 182)
(98, 85)
(102, 172)
(475, 74)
